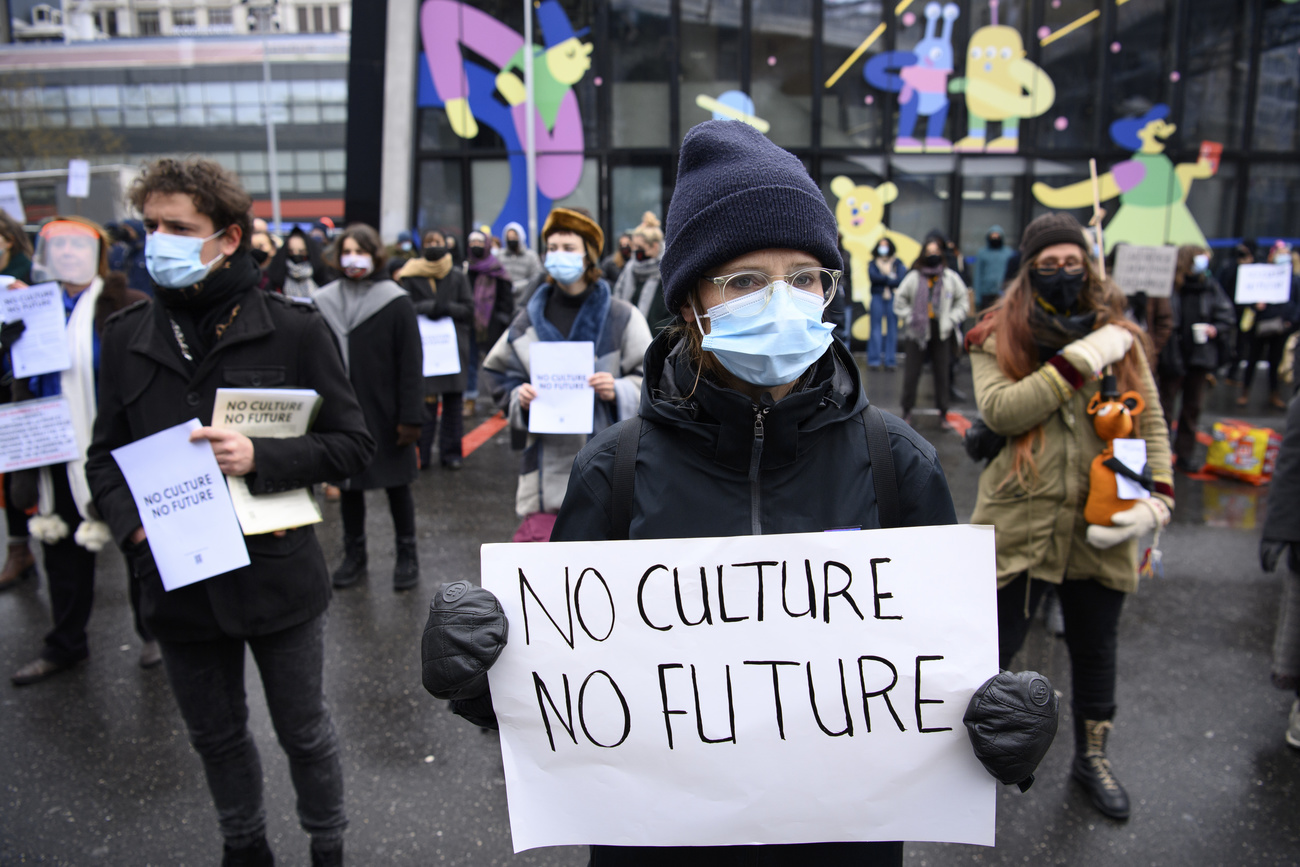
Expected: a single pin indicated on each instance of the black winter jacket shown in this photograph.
(712, 463)
(448, 297)
(145, 386)
(1197, 301)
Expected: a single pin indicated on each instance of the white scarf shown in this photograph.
(78, 386)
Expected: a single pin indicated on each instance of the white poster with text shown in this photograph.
(757, 689)
(560, 371)
(441, 349)
(1263, 283)
(43, 345)
(36, 433)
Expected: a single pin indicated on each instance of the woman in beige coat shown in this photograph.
(1037, 359)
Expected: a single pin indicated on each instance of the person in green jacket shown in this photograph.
(1037, 358)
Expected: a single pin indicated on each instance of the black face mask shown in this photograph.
(259, 256)
(477, 252)
(930, 260)
(512, 246)
(1061, 290)
(433, 254)
(995, 243)
(626, 252)
(641, 255)
(297, 258)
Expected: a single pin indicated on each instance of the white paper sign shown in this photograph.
(36, 433)
(1132, 453)
(1145, 269)
(756, 689)
(1264, 283)
(11, 201)
(565, 403)
(78, 179)
(441, 351)
(43, 345)
(184, 505)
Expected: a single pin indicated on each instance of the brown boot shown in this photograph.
(1276, 400)
(20, 564)
(467, 408)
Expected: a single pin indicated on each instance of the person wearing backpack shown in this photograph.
(753, 420)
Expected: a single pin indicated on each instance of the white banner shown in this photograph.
(1145, 269)
(1263, 283)
(36, 433)
(755, 689)
(441, 350)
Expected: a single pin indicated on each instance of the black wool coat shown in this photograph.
(385, 366)
(146, 386)
(450, 297)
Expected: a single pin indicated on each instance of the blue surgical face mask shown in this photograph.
(1200, 262)
(176, 261)
(774, 346)
(565, 267)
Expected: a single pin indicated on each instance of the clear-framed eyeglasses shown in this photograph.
(1072, 266)
(747, 293)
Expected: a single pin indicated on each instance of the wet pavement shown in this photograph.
(95, 767)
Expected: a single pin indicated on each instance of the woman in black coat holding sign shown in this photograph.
(440, 290)
(374, 324)
(763, 433)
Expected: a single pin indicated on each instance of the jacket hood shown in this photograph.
(721, 421)
(523, 236)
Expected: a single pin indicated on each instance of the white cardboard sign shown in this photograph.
(441, 350)
(1145, 269)
(78, 179)
(757, 689)
(565, 403)
(1263, 283)
(43, 345)
(36, 433)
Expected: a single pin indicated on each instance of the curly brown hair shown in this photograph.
(214, 189)
(368, 240)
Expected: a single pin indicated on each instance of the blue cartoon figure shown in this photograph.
(921, 82)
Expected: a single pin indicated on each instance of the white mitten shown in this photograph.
(1144, 517)
(1107, 345)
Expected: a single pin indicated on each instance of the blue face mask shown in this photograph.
(176, 261)
(774, 346)
(565, 267)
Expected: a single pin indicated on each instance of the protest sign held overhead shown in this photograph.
(758, 689)
(183, 505)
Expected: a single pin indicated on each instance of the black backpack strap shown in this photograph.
(882, 467)
(629, 439)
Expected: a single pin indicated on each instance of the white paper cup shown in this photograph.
(1200, 332)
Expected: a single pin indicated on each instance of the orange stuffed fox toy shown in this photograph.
(1112, 418)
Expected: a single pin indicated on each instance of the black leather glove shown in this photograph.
(1270, 552)
(10, 332)
(464, 635)
(1011, 721)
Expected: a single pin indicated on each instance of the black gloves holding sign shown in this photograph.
(465, 633)
(1011, 721)
(10, 332)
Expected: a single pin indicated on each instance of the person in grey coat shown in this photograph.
(374, 324)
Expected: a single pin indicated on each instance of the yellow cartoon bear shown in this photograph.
(1001, 84)
(860, 214)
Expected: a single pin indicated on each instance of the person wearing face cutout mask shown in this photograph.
(74, 253)
(210, 327)
(575, 304)
(886, 273)
(1038, 358)
(1202, 317)
(374, 324)
(751, 414)
(930, 305)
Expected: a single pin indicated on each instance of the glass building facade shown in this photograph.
(852, 88)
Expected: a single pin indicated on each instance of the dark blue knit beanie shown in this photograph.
(737, 192)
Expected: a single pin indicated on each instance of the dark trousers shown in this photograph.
(207, 678)
(70, 571)
(352, 506)
(1192, 387)
(937, 351)
(1091, 614)
(1270, 348)
(794, 855)
(449, 429)
(15, 518)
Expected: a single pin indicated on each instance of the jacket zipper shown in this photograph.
(756, 455)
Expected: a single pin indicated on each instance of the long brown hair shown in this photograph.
(1186, 254)
(1017, 351)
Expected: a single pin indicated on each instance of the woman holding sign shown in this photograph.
(574, 305)
(752, 421)
(1037, 359)
(374, 324)
(73, 253)
(440, 291)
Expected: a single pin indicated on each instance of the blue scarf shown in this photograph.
(589, 324)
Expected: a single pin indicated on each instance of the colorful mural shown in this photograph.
(1001, 85)
(1152, 191)
(474, 94)
(920, 78)
(860, 213)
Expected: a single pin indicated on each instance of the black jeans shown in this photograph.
(938, 352)
(1091, 614)
(70, 571)
(1192, 387)
(449, 429)
(1270, 348)
(792, 855)
(15, 518)
(352, 507)
(207, 678)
